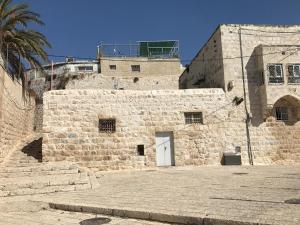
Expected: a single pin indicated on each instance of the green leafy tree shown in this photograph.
(21, 46)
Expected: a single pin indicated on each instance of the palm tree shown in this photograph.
(19, 45)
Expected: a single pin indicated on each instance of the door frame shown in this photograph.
(172, 151)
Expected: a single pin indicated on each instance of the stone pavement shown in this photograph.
(200, 195)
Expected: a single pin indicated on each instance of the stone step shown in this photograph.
(40, 182)
(23, 173)
(37, 173)
(22, 160)
(45, 189)
(38, 167)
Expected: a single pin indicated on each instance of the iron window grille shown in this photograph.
(275, 73)
(282, 113)
(294, 73)
(193, 117)
(107, 125)
(136, 68)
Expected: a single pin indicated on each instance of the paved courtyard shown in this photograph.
(206, 195)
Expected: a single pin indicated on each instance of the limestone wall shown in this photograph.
(148, 67)
(16, 114)
(71, 127)
(100, 81)
(206, 69)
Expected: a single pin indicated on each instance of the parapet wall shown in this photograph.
(100, 81)
(16, 113)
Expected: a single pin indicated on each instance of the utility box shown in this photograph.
(231, 158)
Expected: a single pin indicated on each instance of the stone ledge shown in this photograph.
(146, 215)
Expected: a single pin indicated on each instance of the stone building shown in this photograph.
(149, 65)
(260, 65)
(241, 95)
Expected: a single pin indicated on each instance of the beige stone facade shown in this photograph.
(16, 114)
(71, 126)
(270, 140)
(122, 66)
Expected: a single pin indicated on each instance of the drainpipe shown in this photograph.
(247, 121)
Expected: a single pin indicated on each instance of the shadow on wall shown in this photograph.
(254, 80)
(34, 149)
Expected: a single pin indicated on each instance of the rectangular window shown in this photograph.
(282, 113)
(275, 73)
(107, 125)
(193, 117)
(294, 73)
(136, 68)
(112, 67)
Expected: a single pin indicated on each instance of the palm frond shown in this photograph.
(18, 44)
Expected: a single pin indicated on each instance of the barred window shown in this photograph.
(294, 70)
(193, 117)
(136, 68)
(275, 70)
(282, 113)
(107, 125)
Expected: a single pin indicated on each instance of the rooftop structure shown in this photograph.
(150, 49)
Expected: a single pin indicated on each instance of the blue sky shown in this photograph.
(75, 27)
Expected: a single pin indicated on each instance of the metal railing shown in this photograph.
(293, 80)
(276, 80)
(151, 49)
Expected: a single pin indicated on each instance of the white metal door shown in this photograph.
(164, 151)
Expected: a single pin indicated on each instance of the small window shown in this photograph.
(136, 68)
(275, 70)
(112, 67)
(107, 125)
(193, 117)
(282, 113)
(141, 150)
